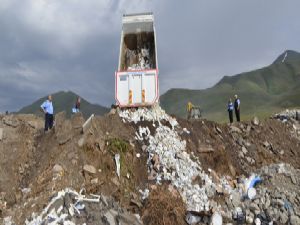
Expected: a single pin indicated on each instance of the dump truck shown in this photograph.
(136, 80)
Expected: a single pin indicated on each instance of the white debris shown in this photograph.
(216, 219)
(186, 131)
(175, 163)
(117, 160)
(53, 216)
(145, 193)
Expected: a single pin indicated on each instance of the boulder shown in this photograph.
(89, 169)
(57, 169)
(255, 121)
(294, 220)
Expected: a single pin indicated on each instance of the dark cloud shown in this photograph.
(52, 45)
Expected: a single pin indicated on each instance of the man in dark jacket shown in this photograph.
(237, 107)
(230, 110)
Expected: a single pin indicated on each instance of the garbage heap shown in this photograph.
(270, 194)
(292, 118)
(69, 207)
(168, 159)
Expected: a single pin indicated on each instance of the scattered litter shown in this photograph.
(251, 193)
(145, 193)
(186, 131)
(192, 219)
(117, 160)
(216, 219)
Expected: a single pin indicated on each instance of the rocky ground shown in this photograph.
(172, 171)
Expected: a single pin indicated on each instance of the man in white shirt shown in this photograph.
(47, 108)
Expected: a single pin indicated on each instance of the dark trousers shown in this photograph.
(48, 121)
(230, 112)
(237, 114)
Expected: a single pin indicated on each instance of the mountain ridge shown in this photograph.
(65, 101)
(262, 91)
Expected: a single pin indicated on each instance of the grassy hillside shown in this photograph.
(261, 91)
(64, 101)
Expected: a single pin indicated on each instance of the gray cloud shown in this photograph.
(47, 46)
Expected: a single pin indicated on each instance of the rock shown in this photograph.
(94, 181)
(136, 202)
(81, 142)
(249, 219)
(218, 130)
(74, 162)
(144, 147)
(234, 129)
(255, 121)
(89, 168)
(236, 199)
(112, 111)
(248, 129)
(249, 159)
(254, 207)
(244, 150)
(115, 181)
(294, 181)
(216, 219)
(283, 217)
(1, 134)
(57, 169)
(240, 141)
(294, 220)
(280, 202)
(109, 217)
(241, 154)
(11, 122)
(266, 144)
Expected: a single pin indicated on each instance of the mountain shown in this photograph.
(64, 101)
(262, 91)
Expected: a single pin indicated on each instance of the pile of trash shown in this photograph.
(267, 196)
(292, 117)
(288, 114)
(70, 207)
(138, 59)
(168, 159)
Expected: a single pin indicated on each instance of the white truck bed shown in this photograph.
(137, 75)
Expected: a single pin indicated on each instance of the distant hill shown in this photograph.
(261, 91)
(64, 101)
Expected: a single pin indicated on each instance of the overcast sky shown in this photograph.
(52, 45)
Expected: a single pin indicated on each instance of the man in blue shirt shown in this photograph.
(47, 108)
(230, 110)
(237, 104)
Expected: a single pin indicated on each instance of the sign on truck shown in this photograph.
(137, 75)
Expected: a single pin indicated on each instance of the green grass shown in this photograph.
(262, 92)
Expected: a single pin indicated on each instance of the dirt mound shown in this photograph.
(241, 148)
(164, 208)
(35, 165)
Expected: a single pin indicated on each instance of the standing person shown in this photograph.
(77, 104)
(47, 108)
(237, 107)
(189, 108)
(76, 108)
(230, 110)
